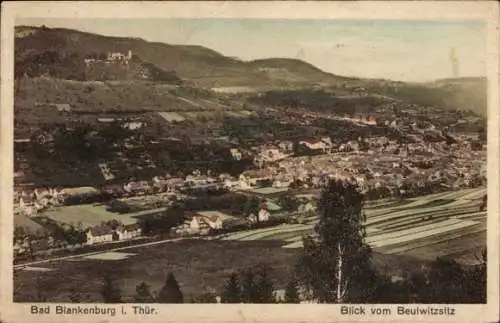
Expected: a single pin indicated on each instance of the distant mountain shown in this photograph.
(196, 64)
(61, 53)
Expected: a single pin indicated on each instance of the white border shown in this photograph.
(475, 10)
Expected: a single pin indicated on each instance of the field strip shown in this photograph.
(411, 212)
(475, 195)
(422, 234)
(260, 235)
(390, 235)
(440, 238)
(283, 236)
(415, 218)
(476, 215)
(190, 102)
(387, 205)
(294, 245)
(242, 234)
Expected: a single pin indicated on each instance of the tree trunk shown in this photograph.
(339, 274)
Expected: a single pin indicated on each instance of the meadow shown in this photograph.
(93, 214)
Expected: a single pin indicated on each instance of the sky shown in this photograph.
(416, 51)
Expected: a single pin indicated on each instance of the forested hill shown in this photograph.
(61, 53)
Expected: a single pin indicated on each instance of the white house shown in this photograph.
(285, 146)
(63, 107)
(28, 204)
(252, 177)
(99, 234)
(314, 145)
(196, 224)
(213, 221)
(236, 154)
(127, 232)
(263, 215)
(132, 125)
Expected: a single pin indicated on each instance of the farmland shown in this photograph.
(90, 215)
(419, 226)
(402, 235)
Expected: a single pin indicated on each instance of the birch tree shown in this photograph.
(334, 266)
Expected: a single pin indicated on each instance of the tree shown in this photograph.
(292, 292)
(143, 294)
(209, 298)
(265, 286)
(249, 289)
(476, 280)
(288, 203)
(110, 290)
(251, 206)
(335, 267)
(257, 286)
(170, 292)
(231, 293)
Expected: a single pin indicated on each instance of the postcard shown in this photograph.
(250, 162)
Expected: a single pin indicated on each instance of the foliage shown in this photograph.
(170, 292)
(252, 205)
(317, 100)
(143, 294)
(251, 285)
(164, 222)
(288, 203)
(232, 292)
(110, 290)
(209, 298)
(292, 292)
(336, 267)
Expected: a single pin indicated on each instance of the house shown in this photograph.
(252, 218)
(62, 107)
(159, 184)
(285, 146)
(213, 221)
(254, 177)
(132, 125)
(237, 155)
(137, 187)
(327, 141)
(114, 190)
(195, 223)
(230, 183)
(314, 145)
(263, 215)
(281, 183)
(126, 232)
(306, 207)
(174, 184)
(100, 234)
(28, 204)
(194, 180)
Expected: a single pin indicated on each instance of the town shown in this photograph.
(426, 160)
(136, 160)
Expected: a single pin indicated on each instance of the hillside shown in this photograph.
(467, 94)
(60, 53)
(192, 63)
